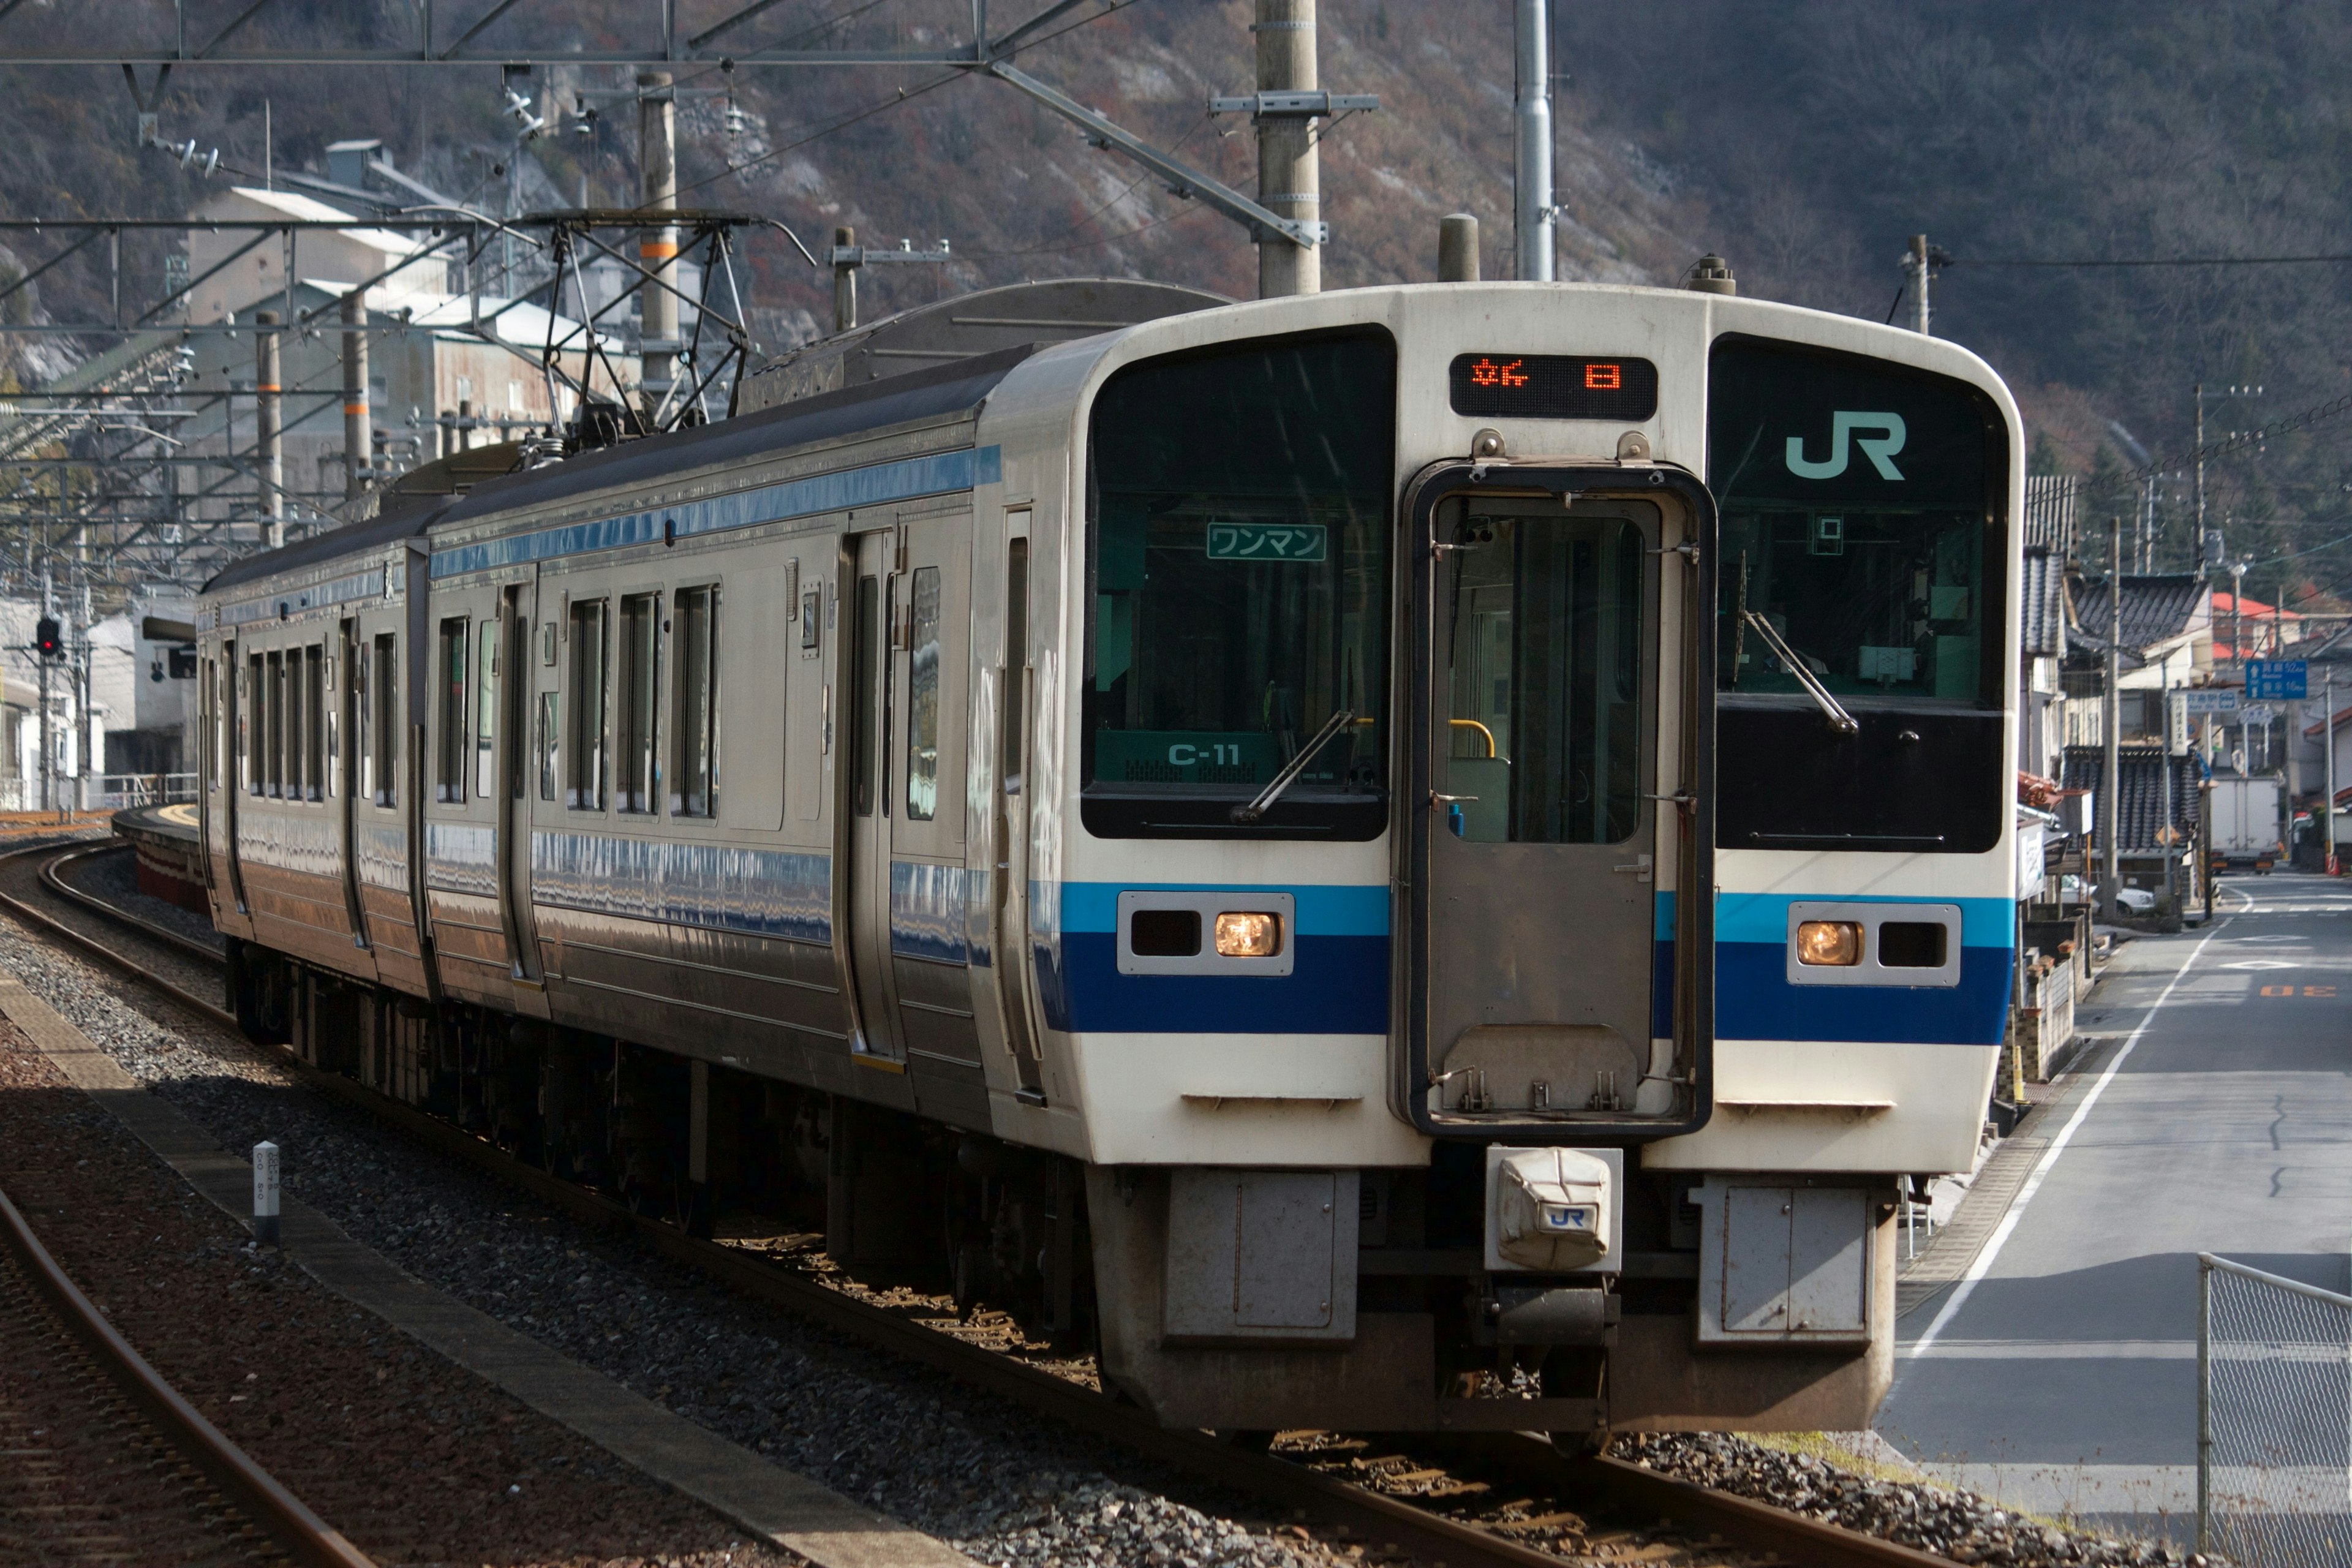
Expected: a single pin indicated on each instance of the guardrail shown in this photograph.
(2274, 1418)
(119, 791)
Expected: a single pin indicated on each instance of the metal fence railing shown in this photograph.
(120, 790)
(2273, 1419)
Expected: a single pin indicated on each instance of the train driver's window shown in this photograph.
(385, 689)
(451, 671)
(694, 719)
(923, 698)
(639, 775)
(584, 786)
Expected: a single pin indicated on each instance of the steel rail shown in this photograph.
(307, 1538)
(1357, 1513)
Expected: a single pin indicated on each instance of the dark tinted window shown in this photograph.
(1863, 517)
(1239, 507)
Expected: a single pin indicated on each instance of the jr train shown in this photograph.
(1412, 858)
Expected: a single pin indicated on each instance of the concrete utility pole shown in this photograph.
(1531, 117)
(2199, 442)
(657, 252)
(355, 396)
(1921, 315)
(2111, 771)
(1289, 170)
(268, 431)
(48, 739)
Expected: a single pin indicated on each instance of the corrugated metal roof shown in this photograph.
(2156, 608)
(2140, 772)
(2049, 513)
(2044, 609)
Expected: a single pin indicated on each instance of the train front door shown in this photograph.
(1535, 962)
(862, 900)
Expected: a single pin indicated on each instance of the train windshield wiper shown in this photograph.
(1840, 719)
(1289, 775)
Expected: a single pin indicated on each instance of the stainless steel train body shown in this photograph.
(1412, 858)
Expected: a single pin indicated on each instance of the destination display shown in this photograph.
(1552, 386)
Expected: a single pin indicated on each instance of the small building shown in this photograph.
(2157, 811)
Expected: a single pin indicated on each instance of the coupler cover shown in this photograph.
(1552, 1211)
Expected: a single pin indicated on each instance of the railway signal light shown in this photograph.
(46, 638)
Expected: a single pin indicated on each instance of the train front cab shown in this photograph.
(1504, 1167)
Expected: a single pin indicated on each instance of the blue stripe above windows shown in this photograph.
(876, 484)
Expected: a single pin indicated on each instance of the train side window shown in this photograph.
(386, 689)
(865, 628)
(314, 722)
(583, 788)
(451, 785)
(694, 765)
(250, 728)
(923, 698)
(486, 669)
(638, 685)
(274, 752)
(550, 741)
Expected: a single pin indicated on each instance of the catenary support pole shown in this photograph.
(267, 428)
(2328, 765)
(1921, 314)
(1289, 171)
(355, 396)
(657, 252)
(2111, 770)
(2197, 440)
(1531, 118)
(844, 281)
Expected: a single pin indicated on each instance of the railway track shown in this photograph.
(104, 1461)
(1382, 1524)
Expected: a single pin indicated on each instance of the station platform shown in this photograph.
(170, 853)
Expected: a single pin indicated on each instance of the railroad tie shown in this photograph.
(781, 1506)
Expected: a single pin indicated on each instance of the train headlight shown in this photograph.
(1248, 935)
(1834, 942)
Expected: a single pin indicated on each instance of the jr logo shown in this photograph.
(1880, 448)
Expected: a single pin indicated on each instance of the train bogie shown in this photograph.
(1418, 858)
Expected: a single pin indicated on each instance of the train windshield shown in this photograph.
(1238, 522)
(1862, 508)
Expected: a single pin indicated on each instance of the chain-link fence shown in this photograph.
(2273, 1419)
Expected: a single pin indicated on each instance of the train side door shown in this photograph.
(862, 897)
(346, 674)
(516, 770)
(228, 773)
(1009, 909)
(1538, 725)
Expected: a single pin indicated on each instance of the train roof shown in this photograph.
(928, 393)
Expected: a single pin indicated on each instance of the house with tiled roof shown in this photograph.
(2165, 640)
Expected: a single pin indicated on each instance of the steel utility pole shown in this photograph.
(1290, 169)
(2111, 772)
(355, 396)
(48, 739)
(1532, 194)
(267, 427)
(657, 252)
(2327, 773)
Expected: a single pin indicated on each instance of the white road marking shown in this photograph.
(2008, 1226)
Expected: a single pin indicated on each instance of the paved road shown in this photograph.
(2062, 1375)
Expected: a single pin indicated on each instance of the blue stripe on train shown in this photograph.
(1338, 985)
(1754, 1001)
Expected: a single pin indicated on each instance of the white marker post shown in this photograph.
(265, 1194)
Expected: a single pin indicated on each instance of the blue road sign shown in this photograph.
(2277, 679)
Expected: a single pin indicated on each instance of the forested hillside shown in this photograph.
(1805, 140)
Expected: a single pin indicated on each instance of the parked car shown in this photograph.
(2074, 890)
